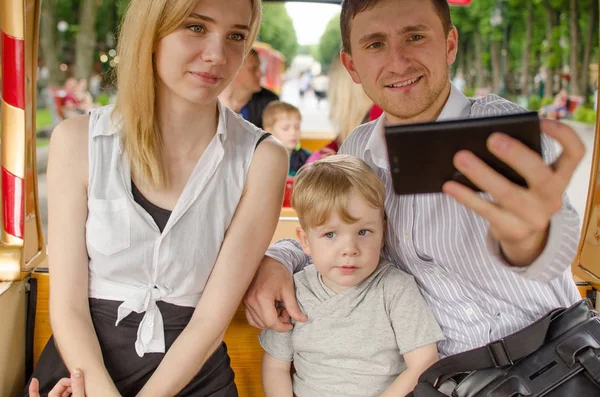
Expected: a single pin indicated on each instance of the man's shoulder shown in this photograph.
(356, 143)
(494, 105)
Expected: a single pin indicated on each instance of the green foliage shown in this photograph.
(534, 103)
(469, 92)
(585, 114)
(103, 99)
(277, 30)
(547, 101)
(43, 119)
(330, 43)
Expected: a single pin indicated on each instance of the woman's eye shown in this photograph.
(196, 28)
(330, 235)
(363, 232)
(237, 37)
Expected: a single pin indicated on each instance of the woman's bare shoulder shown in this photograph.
(69, 146)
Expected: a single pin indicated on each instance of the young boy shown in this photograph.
(283, 121)
(369, 331)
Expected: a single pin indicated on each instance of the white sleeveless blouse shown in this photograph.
(130, 260)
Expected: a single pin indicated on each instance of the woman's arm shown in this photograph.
(417, 361)
(244, 245)
(276, 378)
(67, 177)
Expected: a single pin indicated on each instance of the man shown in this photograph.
(245, 95)
(487, 265)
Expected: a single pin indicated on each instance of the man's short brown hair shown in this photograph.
(274, 110)
(351, 8)
(328, 184)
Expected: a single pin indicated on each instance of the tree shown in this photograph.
(86, 39)
(330, 43)
(277, 30)
(48, 42)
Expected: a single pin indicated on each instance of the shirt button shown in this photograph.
(469, 312)
(150, 324)
(406, 236)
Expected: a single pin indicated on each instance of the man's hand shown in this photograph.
(272, 283)
(519, 217)
(73, 386)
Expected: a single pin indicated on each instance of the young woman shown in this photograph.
(160, 209)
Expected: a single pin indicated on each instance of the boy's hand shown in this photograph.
(272, 283)
(519, 217)
(73, 386)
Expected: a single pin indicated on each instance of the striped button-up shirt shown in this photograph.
(475, 295)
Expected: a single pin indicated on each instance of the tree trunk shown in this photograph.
(575, 42)
(86, 39)
(48, 42)
(480, 82)
(549, 85)
(587, 52)
(496, 65)
(525, 77)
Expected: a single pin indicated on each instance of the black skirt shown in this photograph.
(130, 372)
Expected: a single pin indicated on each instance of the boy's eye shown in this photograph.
(329, 235)
(196, 28)
(363, 232)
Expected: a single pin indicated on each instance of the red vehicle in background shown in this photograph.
(272, 64)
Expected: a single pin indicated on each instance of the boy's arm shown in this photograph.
(276, 378)
(417, 361)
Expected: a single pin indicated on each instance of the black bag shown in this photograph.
(558, 355)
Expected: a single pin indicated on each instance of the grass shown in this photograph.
(42, 142)
(43, 119)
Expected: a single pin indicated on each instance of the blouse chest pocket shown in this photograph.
(108, 228)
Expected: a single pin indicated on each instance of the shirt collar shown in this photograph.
(457, 107)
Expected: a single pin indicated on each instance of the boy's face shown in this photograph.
(287, 130)
(400, 55)
(346, 254)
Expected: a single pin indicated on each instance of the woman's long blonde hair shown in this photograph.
(145, 23)
(348, 103)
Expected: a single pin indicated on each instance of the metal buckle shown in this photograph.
(500, 356)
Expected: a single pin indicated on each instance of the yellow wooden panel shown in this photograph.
(42, 331)
(13, 304)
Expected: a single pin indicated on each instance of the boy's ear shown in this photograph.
(303, 238)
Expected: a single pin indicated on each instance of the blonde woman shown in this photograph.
(348, 106)
(159, 210)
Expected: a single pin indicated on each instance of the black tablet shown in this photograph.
(421, 154)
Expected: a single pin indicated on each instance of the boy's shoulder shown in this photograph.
(392, 278)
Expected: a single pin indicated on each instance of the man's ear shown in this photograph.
(348, 63)
(303, 238)
(452, 46)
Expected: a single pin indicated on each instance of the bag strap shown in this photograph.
(498, 354)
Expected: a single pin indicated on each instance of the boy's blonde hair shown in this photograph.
(145, 23)
(326, 186)
(275, 109)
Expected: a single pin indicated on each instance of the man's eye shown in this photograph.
(363, 232)
(376, 45)
(415, 37)
(330, 235)
(237, 37)
(196, 28)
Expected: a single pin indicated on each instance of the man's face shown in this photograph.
(248, 77)
(401, 56)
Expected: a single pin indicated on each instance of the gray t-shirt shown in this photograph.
(353, 342)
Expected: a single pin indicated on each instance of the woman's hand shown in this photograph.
(73, 386)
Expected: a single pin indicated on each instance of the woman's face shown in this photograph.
(199, 59)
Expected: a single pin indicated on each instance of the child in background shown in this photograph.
(369, 331)
(283, 121)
